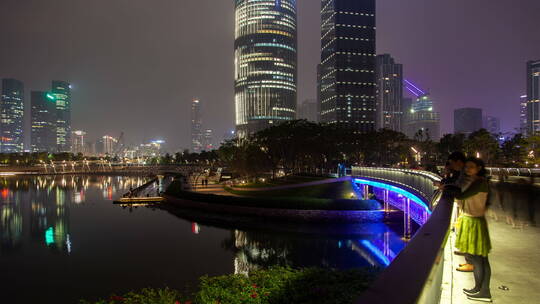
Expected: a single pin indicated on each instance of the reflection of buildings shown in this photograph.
(259, 249)
(11, 221)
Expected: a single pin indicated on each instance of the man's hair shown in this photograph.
(456, 156)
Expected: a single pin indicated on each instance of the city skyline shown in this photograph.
(163, 73)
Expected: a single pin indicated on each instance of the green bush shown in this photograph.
(277, 285)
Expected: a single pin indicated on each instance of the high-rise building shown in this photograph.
(78, 143)
(319, 92)
(308, 110)
(265, 64)
(492, 124)
(389, 93)
(406, 107)
(61, 91)
(533, 97)
(523, 127)
(422, 119)
(196, 127)
(348, 64)
(467, 120)
(11, 116)
(208, 140)
(109, 145)
(43, 113)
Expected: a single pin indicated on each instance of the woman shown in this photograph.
(472, 235)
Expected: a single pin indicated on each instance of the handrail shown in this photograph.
(415, 275)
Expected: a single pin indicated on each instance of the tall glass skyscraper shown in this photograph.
(196, 127)
(44, 119)
(61, 91)
(11, 116)
(389, 93)
(533, 97)
(348, 82)
(265, 63)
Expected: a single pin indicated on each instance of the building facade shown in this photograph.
(11, 116)
(61, 90)
(389, 93)
(208, 144)
(78, 143)
(422, 120)
(533, 97)
(265, 64)
(492, 124)
(43, 122)
(197, 135)
(308, 110)
(109, 145)
(467, 120)
(523, 126)
(348, 82)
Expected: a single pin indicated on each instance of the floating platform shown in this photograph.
(139, 200)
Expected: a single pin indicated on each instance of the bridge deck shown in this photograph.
(514, 264)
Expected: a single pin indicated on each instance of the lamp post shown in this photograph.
(417, 156)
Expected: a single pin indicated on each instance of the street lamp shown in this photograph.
(417, 157)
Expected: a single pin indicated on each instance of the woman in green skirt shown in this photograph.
(472, 234)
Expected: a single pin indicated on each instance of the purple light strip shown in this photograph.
(413, 92)
(411, 84)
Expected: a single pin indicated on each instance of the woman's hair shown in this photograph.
(479, 163)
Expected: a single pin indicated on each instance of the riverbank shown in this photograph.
(276, 285)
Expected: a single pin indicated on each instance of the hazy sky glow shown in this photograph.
(136, 64)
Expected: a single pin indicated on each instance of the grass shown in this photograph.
(338, 190)
(276, 285)
(278, 201)
(288, 180)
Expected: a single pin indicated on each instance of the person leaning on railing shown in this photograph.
(472, 237)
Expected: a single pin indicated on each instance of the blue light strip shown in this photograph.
(376, 252)
(407, 194)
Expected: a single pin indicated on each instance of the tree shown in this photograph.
(514, 151)
(483, 143)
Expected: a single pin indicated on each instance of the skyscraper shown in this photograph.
(109, 145)
(467, 120)
(78, 144)
(348, 64)
(61, 91)
(389, 93)
(533, 97)
(11, 116)
(44, 119)
(422, 118)
(208, 140)
(196, 127)
(523, 127)
(492, 124)
(265, 63)
(308, 110)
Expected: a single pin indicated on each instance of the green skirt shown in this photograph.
(473, 236)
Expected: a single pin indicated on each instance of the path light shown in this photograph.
(477, 154)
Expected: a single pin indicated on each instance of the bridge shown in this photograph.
(424, 271)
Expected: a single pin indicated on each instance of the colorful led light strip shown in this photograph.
(376, 252)
(405, 193)
(412, 84)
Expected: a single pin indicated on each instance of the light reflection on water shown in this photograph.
(64, 231)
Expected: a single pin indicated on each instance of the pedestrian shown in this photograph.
(472, 235)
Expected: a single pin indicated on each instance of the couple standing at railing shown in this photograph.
(466, 179)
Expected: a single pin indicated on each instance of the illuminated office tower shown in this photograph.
(533, 97)
(109, 145)
(208, 140)
(423, 121)
(78, 142)
(348, 82)
(61, 91)
(389, 93)
(43, 113)
(265, 64)
(523, 115)
(11, 116)
(196, 127)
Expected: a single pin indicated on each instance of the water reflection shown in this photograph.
(48, 210)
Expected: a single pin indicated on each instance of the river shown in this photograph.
(62, 240)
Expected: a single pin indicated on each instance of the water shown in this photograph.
(62, 239)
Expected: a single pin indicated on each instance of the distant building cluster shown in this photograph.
(201, 139)
(50, 118)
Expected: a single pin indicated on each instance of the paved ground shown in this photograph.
(213, 189)
(515, 263)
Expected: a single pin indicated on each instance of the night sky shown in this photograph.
(136, 64)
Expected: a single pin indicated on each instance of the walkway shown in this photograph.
(515, 264)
